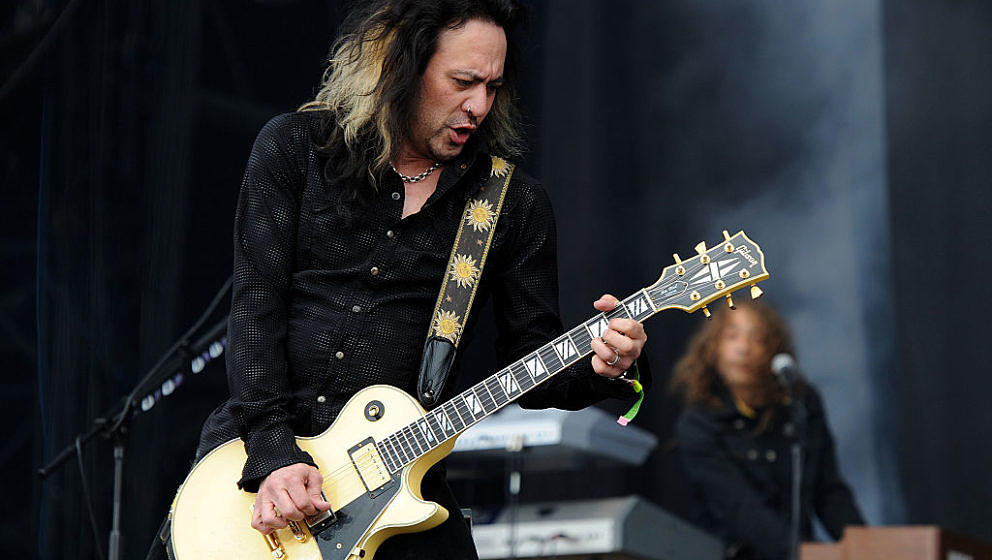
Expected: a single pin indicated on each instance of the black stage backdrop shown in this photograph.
(852, 141)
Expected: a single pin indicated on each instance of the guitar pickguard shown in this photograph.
(354, 519)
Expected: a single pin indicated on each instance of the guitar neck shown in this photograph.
(688, 285)
(507, 385)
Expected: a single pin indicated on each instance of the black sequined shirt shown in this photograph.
(322, 308)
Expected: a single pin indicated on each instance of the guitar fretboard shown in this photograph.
(689, 284)
(505, 386)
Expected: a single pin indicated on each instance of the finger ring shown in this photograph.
(614, 361)
(276, 508)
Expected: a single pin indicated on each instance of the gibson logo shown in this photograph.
(746, 253)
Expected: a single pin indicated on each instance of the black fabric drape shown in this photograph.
(939, 118)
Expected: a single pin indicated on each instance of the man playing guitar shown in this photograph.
(347, 213)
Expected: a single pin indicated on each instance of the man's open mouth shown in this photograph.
(461, 134)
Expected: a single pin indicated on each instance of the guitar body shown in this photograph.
(211, 516)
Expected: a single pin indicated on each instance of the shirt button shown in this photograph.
(321, 399)
(463, 166)
(738, 424)
(390, 234)
(770, 456)
(396, 196)
(339, 355)
(357, 308)
(374, 271)
(752, 454)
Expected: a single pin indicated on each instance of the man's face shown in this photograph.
(458, 88)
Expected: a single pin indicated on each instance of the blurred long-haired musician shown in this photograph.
(347, 214)
(737, 430)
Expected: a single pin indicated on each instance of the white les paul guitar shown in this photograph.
(374, 456)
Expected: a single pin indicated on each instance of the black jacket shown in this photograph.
(741, 479)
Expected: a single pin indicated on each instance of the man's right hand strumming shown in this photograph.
(288, 494)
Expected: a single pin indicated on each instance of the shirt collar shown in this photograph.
(474, 153)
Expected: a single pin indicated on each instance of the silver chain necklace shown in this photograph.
(420, 176)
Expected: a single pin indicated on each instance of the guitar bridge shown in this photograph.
(322, 520)
(368, 464)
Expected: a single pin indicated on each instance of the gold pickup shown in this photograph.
(368, 463)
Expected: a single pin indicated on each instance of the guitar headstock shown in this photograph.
(691, 284)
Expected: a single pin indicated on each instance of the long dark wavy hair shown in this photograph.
(695, 376)
(369, 92)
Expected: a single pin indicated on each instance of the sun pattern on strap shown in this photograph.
(464, 271)
(500, 167)
(447, 325)
(480, 215)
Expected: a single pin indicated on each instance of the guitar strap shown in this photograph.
(461, 280)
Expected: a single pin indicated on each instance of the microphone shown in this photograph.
(785, 369)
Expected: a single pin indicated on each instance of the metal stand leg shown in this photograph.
(800, 416)
(114, 550)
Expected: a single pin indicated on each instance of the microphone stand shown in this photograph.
(114, 424)
(799, 416)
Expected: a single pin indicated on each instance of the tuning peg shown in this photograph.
(701, 248)
(728, 246)
(677, 259)
(679, 269)
(706, 312)
(730, 302)
(726, 236)
(756, 292)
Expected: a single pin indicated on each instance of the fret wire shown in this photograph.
(438, 417)
(394, 442)
(484, 397)
(411, 438)
(453, 421)
(523, 377)
(514, 382)
(421, 440)
(566, 349)
(383, 455)
(518, 385)
(580, 339)
(419, 437)
(534, 361)
(424, 431)
(618, 312)
(456, 418)
(647, 296)
(548, 354)
(468, 407)
(393, 462)
(436, 424)
(639, 306)
(596, 324)
(500, 396)
(404, 447)
(394, 457)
